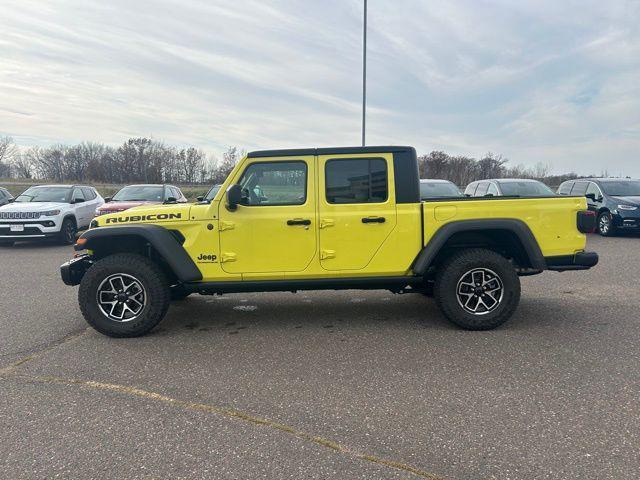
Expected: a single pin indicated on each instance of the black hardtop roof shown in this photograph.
(329, 151)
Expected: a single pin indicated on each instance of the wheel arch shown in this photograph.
(507, 236)
(152, 241)
(70, 216)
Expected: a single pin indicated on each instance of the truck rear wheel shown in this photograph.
(124, 295)
(477, 289)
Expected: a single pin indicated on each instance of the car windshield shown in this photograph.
(212, 193)
(622, 188)
(438, 189)
(140, 193)
(525, 189)
(45, 194)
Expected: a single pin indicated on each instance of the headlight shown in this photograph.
(50, 213)
(627, 207)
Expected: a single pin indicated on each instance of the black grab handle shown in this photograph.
(299, 221)
(373, 220)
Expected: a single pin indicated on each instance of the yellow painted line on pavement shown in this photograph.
(9, 369)
(233, 414)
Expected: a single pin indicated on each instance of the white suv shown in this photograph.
(46, 211)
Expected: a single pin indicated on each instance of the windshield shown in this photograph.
(628, 188)
(526, 189)
(140, 193)
(212, 193)
(45, 194)
(438, 189)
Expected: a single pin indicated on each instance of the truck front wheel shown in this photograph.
(124, 295)
(477, 289)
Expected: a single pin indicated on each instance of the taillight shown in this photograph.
(587, 221)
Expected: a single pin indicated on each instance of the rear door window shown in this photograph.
(356, 180)
(565, 188)
(579, 188)
(471, 189)
(482, 189)
(89, 193)
(77, 194)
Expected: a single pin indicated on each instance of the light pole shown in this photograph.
(364, 72)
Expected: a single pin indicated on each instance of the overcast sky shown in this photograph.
(551, 81)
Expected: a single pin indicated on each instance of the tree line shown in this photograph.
(146, 160)
(138, 160)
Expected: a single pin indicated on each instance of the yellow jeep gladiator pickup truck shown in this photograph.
(325, 218)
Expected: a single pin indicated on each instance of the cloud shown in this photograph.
(555, 82)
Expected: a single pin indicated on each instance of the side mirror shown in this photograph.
(171, 200)
(234, 197)
(488, 195)
(107, 199)
(591, 196)
(78, 200)
(200, 198)
(11, 200)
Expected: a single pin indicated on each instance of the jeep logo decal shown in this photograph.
(207, 258)
(142, 218)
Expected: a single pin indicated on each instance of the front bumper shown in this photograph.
(579, 261)
(73, 270)
(46, 227)
(627, 219)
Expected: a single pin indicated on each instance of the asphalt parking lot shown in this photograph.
(344, 385)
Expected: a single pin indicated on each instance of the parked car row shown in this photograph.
(615, 201)
(59, 211)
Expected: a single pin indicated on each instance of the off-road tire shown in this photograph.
(68, 231)
(451, 274)
(142, 269)
(606, 228)
(179, 293)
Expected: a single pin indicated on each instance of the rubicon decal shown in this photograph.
(142, 218)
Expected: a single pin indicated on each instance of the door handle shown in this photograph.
(373, 220)
(299, 221)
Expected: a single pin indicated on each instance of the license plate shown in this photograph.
(16, 228)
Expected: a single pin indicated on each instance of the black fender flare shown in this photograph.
(430, 251)
(165, 243)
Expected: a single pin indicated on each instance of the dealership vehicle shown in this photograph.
(136, 195)
(434, 188)
(5, 196)
(326, 218)
(511, 187)
(48, 211)
(615, 201)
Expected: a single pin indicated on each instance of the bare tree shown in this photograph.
(8, 151)
(190, 162)
(22, 166)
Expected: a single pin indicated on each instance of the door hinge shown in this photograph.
(325, 254)
(226, 226)
(227, 257)
(327, 222)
